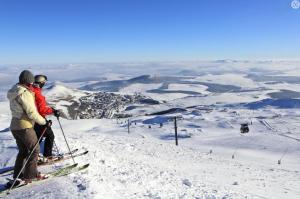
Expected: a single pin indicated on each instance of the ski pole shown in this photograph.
(56, 147)
(65, 139)
(24, 165)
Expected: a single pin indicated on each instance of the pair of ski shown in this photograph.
(57, 173)
(59, 158)
(65, 156)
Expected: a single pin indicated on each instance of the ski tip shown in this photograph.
(72, 165)
(84, 166)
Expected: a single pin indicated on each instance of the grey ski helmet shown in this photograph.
(40, 80)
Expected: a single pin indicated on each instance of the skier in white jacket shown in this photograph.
(24, 115)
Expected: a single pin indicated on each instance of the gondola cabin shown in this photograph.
(244, 128)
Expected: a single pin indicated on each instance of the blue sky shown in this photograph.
(61, 31)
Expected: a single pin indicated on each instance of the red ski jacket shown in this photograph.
(40, 102)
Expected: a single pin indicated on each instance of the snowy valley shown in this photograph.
(126, 121)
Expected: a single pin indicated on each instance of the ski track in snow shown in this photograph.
(133, 168)
(142, 166)
(129, 167)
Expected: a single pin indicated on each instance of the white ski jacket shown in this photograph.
(23, 109)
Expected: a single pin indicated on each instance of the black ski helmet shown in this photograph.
(40, 80)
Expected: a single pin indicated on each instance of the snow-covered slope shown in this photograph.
(147, 164)
(210, 99)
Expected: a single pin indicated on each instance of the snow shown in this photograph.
(222, 98)
(230, 79)
(166, 96)
(189, 87)
(213, 160)
(62, 96)
(138, 88)
(59, 91)
(147, 164)
(284, 86)
(143, 88)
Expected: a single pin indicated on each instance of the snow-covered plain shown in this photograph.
(213, 160)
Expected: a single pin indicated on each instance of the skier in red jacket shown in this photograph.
(44, 110)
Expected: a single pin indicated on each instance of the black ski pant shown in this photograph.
(49, 135)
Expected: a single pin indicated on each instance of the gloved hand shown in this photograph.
(56, 113)
(48, 123)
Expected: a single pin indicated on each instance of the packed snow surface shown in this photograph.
(147, 164)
